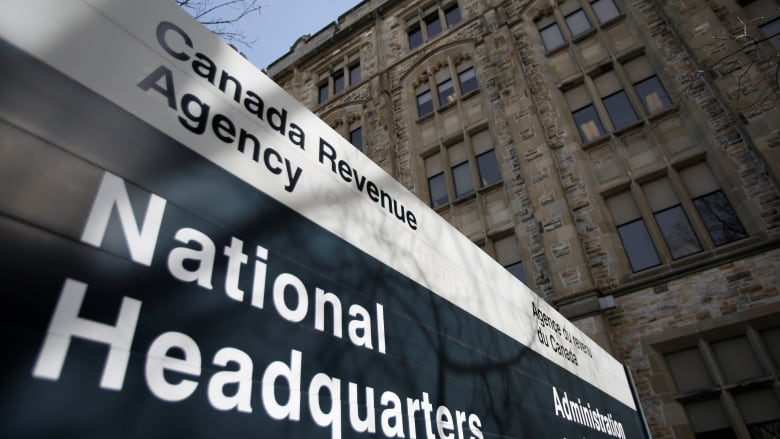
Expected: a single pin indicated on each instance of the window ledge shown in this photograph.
(470, 94)
(631, 127)
(585, 35)
(422, 119)
(555, 50)
(490, 187)
(441, 209)
(660, 114)
(596, 142)
(612, 21)
(464, 198)
(444, 108)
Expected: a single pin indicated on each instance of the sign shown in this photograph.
(189, 252)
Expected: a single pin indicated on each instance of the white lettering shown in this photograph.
(66, 323)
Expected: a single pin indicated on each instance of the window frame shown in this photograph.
(461, 169)
(359, 130)
(621, 112)
(338, 80)
(598, 123)
(423, 106)
(581, 14)
(543, 32)
(596, 10)
(431, 23)
(664, 99)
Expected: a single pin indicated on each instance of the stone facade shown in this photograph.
(635, 144)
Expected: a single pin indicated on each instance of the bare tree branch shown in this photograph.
(222, 17)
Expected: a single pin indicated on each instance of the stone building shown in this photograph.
(621, 157)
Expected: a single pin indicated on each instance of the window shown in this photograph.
(354, 74)
(720, 218)
(714, 209)
(461, 169)
(356, 137)
(552, 36)
(771, 30)
(588, 123)
(487, 165)
(444, 88)
(438, 189)
(468, 81)
(461, 174)
(508, 255)
(451, 172)
(415, 37)
(677, 231)
(452, 15)
(652, 94)
(424, 103)
(667, 222)
(671, 218)
(437, 185)
(335, 81)
(620, 111)
(638, 245)
(605, 10)
(338, 82)
(446, 92)
(488, 168)
(323, 93)
(633, 232)
(578, 23)
(432, 24)
(742, 392)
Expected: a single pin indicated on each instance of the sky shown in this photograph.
(281, 22)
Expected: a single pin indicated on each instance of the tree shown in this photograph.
(749, 70)
(222, 17)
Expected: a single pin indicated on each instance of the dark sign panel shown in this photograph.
(188, 252)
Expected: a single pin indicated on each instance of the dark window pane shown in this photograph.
(424, 103)
(323, 93)
(605, 10)
(772, 29)
(488, 168)
(588, 123)
(638, 245)
(708, 420)
(446, 92)
(354, 74)
(737, 360)
(338, 82)
(356, 138)
(463, 183)
(578, 23)
(720, 218)
(551, 36)
(620, 111)
(438, 189)
(517, 270)
(415, 37)
(677, 231)
(452, 15)
(653, 94)
(468, 81)
(688, 370)
(433, 25)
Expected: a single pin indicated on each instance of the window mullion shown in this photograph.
(754, 338)
(699, 228)
(652, 227)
